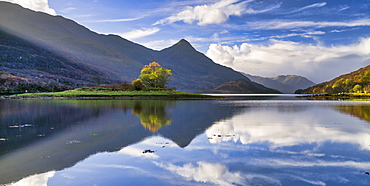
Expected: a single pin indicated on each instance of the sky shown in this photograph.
(317, 39)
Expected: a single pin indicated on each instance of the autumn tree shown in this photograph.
(153, 75)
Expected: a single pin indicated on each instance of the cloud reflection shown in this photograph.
(39, 179)
(280, 128)
(136, 152)
(204, 172)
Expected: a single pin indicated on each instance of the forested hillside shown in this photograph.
(357, 82)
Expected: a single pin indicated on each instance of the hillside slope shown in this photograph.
(24, 66)
(357, 81)
(242, 86)
(110, 54)
(287, 84)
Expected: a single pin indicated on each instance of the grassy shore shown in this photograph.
(109, 93)
(342, 96)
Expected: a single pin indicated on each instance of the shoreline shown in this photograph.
(339, 96)
(114, 95)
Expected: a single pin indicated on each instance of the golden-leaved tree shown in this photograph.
(153, 75)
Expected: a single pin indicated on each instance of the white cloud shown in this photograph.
(159, 44)
(284, 24)
(316, 62)
(118, 20)
(140, 33)
(316, 5)
(212, 13)
(205, 172)
(69, 9)
(36, 5)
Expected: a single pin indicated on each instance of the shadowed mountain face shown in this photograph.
(114, 57)
(25, 66)
(284, 83)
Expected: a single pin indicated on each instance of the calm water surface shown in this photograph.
(241, 141)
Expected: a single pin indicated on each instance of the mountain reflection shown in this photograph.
(359, 111)
(39, 136)
(152, 113)
(228, 142)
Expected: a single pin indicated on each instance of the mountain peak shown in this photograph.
(183, 45)
(184, 41)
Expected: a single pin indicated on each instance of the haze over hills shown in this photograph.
(114, 58)
(357, 81)
(284, 83)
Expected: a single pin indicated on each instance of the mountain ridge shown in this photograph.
(120, 58)
(287, 84)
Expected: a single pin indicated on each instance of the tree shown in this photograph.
(153, 75)
(357, 88)
(138, 84)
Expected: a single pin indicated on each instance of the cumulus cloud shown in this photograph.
(211, 13)
(316, 62)
(36, 5)
(140, 33)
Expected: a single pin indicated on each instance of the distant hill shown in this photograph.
(357, 81)
(113, 57)
(242, 86)
(287, 84)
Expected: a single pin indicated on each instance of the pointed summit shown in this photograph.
(184, 42)
(182, 45)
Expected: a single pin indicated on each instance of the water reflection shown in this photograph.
(49, 131)
(360, 111)
(153, 113)
(295, 124)
(228, 142)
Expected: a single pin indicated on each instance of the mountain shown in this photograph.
(115, 58)
(287, 84)
(357, 81)
(242, 86)
(26, 67)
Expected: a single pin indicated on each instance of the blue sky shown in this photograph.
(316, 39)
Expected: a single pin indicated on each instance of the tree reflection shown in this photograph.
(359, 111)
(152, 114)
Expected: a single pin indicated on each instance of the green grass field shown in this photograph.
(107, 93)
